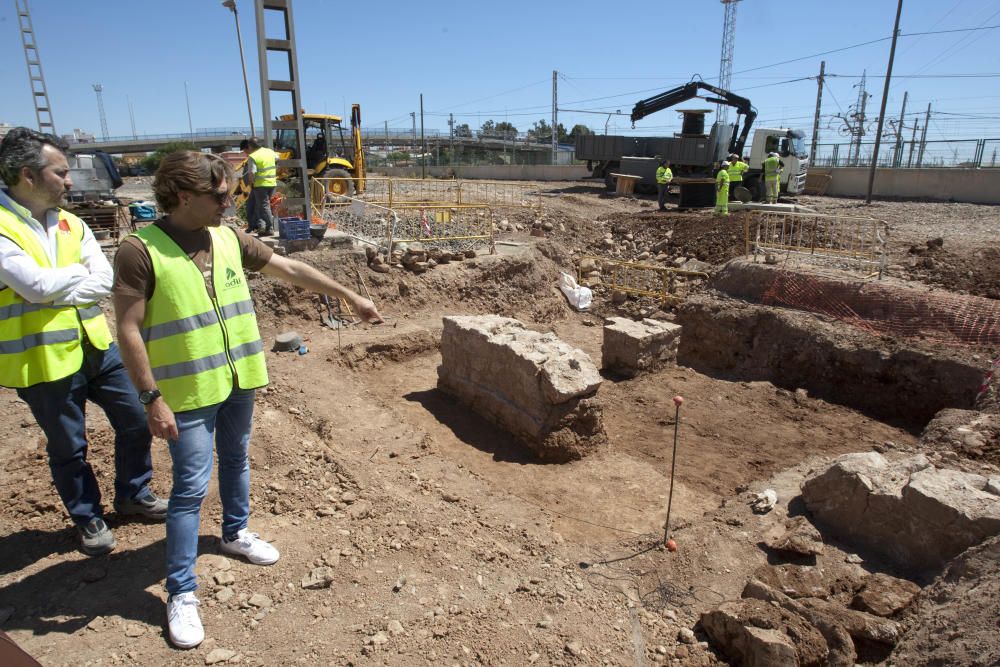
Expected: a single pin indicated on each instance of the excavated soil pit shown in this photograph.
(729, 333)
(426, 517)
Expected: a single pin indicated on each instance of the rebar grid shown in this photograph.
(398, 193)
(641, 279)
(455, 229)
(369, 223)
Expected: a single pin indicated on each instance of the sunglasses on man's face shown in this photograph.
(220, 197)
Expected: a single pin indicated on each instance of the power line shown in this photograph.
(490, 97)
(943, 32)
(934, 25)
(955, 48)
(815, 55)
(868, 43)
(970, 75)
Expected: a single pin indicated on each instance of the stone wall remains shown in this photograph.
(531, 384)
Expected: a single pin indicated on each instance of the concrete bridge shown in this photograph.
(218, 141)
(221, 140)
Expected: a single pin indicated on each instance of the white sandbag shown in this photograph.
(579, 297)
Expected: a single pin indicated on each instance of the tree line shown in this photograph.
(540, 131)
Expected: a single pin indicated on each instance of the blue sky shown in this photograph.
(495, 60)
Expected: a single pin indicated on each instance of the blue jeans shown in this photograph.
(227, 426)
(661, 195)
(259, 216)
(59, 408)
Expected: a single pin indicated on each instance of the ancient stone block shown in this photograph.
(908, 511)
(884, 595)
(632, 347)
(800, 537)
(531, 384)
(757, 634)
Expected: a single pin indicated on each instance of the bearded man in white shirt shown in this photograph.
(55, 347)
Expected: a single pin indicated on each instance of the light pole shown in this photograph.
(231, 5)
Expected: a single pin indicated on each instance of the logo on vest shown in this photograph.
(232, 279)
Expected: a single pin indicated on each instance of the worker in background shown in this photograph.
(190, 340)
(260, 173)
(663, 178)
(736, 169)
(772, 176)
(722, 190)
(316, 152)
(55, 345)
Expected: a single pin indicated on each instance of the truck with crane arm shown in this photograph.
(692, 153)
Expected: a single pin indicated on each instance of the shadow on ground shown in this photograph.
(472, 429)
(69, 594)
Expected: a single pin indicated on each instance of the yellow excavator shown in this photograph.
(340, 165)
(328, 153)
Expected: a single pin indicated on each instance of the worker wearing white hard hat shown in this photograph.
(722, 190)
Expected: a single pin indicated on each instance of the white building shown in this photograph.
(78, 137)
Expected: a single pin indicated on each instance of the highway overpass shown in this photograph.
(229, 139)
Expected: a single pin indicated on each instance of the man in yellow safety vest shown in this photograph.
(663, 178)
(190, 340)
(737, 167)
(55, 346)
(260, 173)
(772, 177)
(722, 190)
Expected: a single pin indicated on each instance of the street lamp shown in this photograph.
(231, 5)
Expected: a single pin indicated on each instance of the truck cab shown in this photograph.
(790, 146)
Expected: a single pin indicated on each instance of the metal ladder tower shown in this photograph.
(283, 44)
(99, 89)
(726, 61)
(39, 93)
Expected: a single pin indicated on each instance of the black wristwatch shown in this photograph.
(146, 397)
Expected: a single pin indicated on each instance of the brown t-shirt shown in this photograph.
(134, 269)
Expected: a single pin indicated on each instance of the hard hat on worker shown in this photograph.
(725, 164)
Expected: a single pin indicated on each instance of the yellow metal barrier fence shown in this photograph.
(835, 241)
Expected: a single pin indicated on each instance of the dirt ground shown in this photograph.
(447, 544)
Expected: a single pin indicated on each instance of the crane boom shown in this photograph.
(689, 91)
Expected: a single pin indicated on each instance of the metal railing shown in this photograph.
(962, 153)
(832, 241)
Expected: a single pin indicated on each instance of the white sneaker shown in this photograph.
(183, 620)
(254, 549)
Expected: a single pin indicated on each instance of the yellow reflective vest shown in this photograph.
(266, 175)
(772, 169)
(722, 181)
(200, 347)
(663, 175)
(736, 170)
(42, 342)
